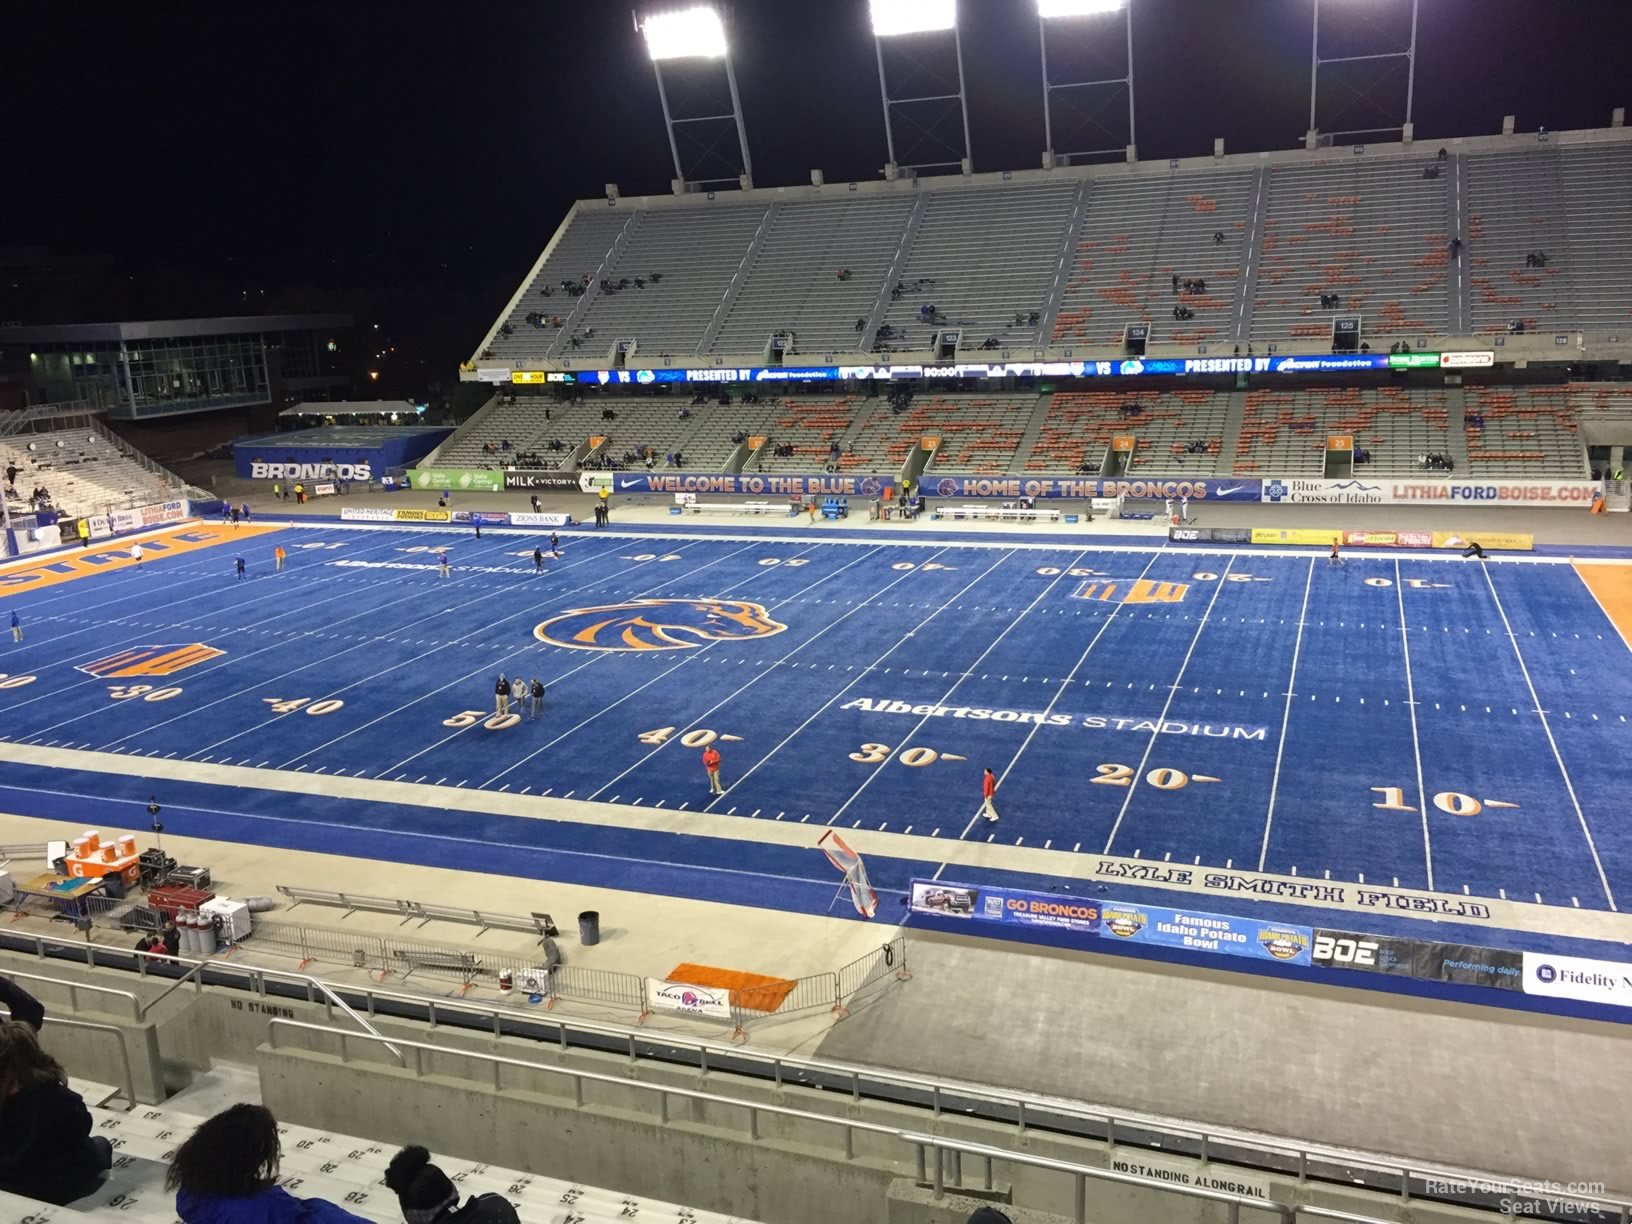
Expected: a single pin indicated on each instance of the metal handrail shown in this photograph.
(195, 975)
(1082, 1174)
(778, 1067)
(118, 1040)
(75, 987)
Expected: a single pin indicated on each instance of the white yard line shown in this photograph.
(1558, 756)
(861, 675)
(1172, 692)
(1065, 571)
(1416, 744)
(1286, 714)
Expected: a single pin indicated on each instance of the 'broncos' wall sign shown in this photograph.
(657, 624)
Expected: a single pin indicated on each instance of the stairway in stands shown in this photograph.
(343, 1169)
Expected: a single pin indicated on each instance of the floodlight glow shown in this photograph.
(912, 16)
(1077, 8)
(694, 33)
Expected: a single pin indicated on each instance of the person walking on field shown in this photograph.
(238, 567)
(1184, 507)
(278, 555)
(16, 627)
(711, 763)
(1335, 558)
(501, 696)
(555, 546)
(988, 791)
(538, 560)
(136, 555)
(442, 563)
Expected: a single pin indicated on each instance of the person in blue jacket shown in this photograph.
(226, 1173)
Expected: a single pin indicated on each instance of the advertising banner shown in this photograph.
(1360, 491)
(1094, 917)
(1154, 488)
(1576, 977)
(1506, 540)
(1389, 539)
(1007, 905)
(744, 485)
(541, 520)
(154, 515)
(1495, 492)
(457, 480)
(705, 1002)
(100, 526)
(378, 514)
(1131, 367)
(1210, 535)
(1199, 932)
(323, 489)
(552, 482)
(1502, 968)
(1353, 492)
(1370, 953)
(1322, 536)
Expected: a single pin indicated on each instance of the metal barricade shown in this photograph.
(605, 986)
(890, 960)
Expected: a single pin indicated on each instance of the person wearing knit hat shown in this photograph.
(428, 1196)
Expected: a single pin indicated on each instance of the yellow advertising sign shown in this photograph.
(526, 376)
(1295, 535)
(1506, 540)
(422, 516)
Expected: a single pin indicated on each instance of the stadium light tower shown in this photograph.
(695, 38)
(916, 33)
(1366, 76)
(1081, 28)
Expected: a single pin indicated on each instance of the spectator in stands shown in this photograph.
(1175, 283)
(46, 1149)
(428, 1196)
(1456, 248)
(1442, 154)
(226, 1173)
(844, 274)
(1218, 237)
(989, 1215)
(24, 1007)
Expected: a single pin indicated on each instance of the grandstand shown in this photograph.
(1139, 234)
(1090, 248)
(1530, 432)
(1165, 426)
(85, 470)
(1283, 433)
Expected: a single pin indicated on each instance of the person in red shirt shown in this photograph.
(988, 789)
(711, 762)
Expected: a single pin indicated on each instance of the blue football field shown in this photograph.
(1415, 722)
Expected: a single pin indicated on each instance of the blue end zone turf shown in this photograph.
(1397, 737)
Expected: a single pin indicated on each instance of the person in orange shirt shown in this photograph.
(988, 790)
(711, 763)
(278, 555)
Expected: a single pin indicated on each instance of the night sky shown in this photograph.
(409, 161)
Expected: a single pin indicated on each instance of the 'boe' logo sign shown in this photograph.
(1337, 950)
(310, 471)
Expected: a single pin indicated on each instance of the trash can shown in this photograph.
(589, 927)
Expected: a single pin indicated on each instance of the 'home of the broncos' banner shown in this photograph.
(1046, 718)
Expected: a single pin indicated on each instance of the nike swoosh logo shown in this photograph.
(1228, 489)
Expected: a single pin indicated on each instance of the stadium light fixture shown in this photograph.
(694, 33)
(1077, 8)
(892, 17)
